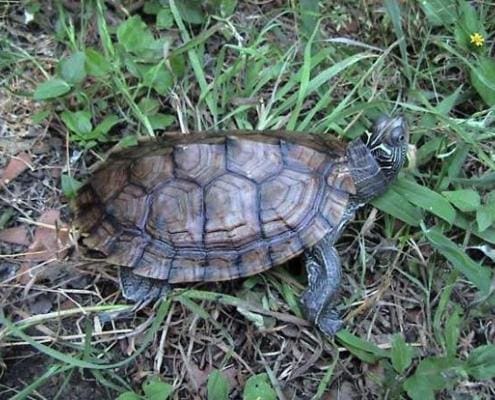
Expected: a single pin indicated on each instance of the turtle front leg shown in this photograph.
(324, 274)
(140, 289)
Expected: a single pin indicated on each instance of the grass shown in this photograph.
(418, 289)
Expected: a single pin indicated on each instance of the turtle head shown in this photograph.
(388, 142)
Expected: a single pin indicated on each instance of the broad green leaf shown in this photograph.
(152, 7)
(218, 386)
(78, 122)
(72, 68)
(157, 77)
(155, 389)
(70, 186)
(487, 235)
(464, 199)
(164, 18)
(149, 106)
(40, 116)
(161, 121)
(177, 64)
(401, 354)
(364, 350)
(128, 141)
(485, 216)
(258, 387)
(476, 273)
(129, 396)
(104, 126)
(448, 103)
(50, 89)
(224, 8)
(426, 198)
(395, 204)
(431, 375)
(440, 12)
(483, 79)
(96, 63)
(191, 11)
(134, 35)
(481, 362)
(469, 17)
(467, 24)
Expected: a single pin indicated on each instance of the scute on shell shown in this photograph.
(214, 207)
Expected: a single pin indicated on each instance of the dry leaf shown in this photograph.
(51, 238)
(15, 235)
(16, 166)
(51, 241)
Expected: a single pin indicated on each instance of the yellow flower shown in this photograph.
(477, 39)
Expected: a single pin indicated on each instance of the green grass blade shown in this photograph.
(52, 371)
(195, 62)
(76, 362)
(303, 85)
(322, 78)
(479, 275)
(393, 10)
(397, 205)
(426, 198)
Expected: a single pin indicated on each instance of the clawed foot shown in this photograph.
(328, 319)
(329, 323)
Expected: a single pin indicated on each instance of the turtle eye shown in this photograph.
(397, 136)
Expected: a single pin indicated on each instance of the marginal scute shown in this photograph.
(282, 251)
(156, 260)
(109, 180)
(152, 171)
(231, 212)
(255, 260)
(103, 237)
(221, 265)
(254, 160)
(305, 157)
(188, 268)
(200, 162)
(129, 206)
(312, 234)
(128, 249)
(176, 214)
(339, 177)
(333, 205)
(286, 200)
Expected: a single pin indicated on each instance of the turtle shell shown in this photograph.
(214, 207)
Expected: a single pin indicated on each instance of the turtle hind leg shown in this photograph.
(324, 275)
(141, 290)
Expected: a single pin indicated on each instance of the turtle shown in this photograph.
(215, 206)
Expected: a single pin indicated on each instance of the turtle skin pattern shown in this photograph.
(215, 207)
